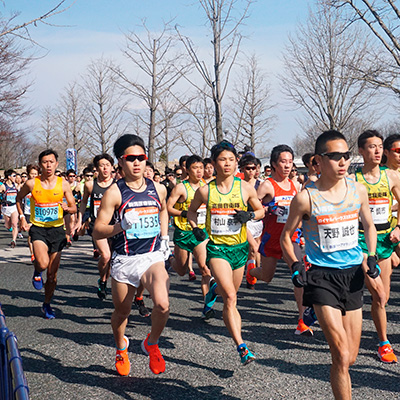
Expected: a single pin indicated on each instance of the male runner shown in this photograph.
(94, 190)
(226, 198)
(140, 246)
(330, 209)
(381, 184)
(184, 239)
(9, 210)
(276, 194)
(47, 230)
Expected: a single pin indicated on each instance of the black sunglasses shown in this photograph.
(250, 168)
(337, 155)
(89, 175)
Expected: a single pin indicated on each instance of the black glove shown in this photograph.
(276, 210)
(299, 277)
(373, 268)
(243, 216)
(184, 214)
(199, 234)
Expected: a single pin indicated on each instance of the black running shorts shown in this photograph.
(338, 288)
(53, 237)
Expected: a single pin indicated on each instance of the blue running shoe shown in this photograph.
(37, 280)
(48, 311)
(246, 356)
(209, 300)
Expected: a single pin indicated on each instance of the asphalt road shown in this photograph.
(72, 357)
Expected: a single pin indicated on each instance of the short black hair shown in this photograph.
(388, 142)
(192, 160)
(125, 141)
(87, 170)
(8, 173)
(149, 164)
(307, 158)
(48, 152)
(207, 160)
(276, 152)
(218, 148)
(104, 156)
(182, 160)
(258, 162)
(370, 133)
(70, 171)
(247, 159)
(325, 137)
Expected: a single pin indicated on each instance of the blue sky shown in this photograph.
(92, 28)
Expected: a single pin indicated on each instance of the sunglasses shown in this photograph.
(134, 157)
(250, 168)
(294, 170)
(74, 176)
(13, 175)
(396, 150)
(24, 176)
(337, 155)
(89, 175)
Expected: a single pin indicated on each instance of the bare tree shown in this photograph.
(105, 105)
(160, 69)
(320, 65)
(382, 17)
(251, 106)
(224, 21)
(47, 136)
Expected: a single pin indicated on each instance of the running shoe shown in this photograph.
(37, 280)
(250, 280)
(75, 238)
(246, 356)
(192, 276)
(309, 317)
(48, 311)
(157, 363)
(102, 289)
(68, 244)
(96, 254)
(32, 258)
(386, 354)
(122, 363)
(303, 329)
(209, 300)
(13, 244)
(20, 236)
(143, 310)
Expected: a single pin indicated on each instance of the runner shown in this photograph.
(276, 194)
(381, 184)
(226, 198)
(70, 219)
(93, 192)
(47, 230)
(184, 239)
(208, 170)
(140, 246)
(329, 210)
(9, 209)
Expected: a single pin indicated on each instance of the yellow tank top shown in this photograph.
(380, 201)
(46, 210)
(220, 224)
(182, 223)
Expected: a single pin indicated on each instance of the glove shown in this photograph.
(276, 210)
(199, 234)
(299, 277)
(373, 268)
(164, 247)
(243, 216)
(129, 219)
(184, 214)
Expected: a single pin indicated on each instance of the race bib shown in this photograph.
(46, 212)
(147, 224)
(11, 198)
(201, 215)
(379, 210)
(96, 205)
(338, 231)
(223, 223)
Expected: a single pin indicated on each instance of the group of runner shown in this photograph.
(229, 220)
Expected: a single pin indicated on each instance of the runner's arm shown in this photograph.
(25, 190)
(71, 207)
(265, 192)
(395, 188)
(87, 191)
(178, 192)
(199, 198)
(162, 194)
(254, 202)
(109, 203)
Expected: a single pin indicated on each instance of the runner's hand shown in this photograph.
(199, 234)
(184, 214)
(242, 216)
(299, 277)
(129, 219)
(164, 248)
(276, 210)
(373, 268)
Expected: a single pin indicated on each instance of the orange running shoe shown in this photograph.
(157, 363)
(32, 258)
(250, 280)
(386, 354)
(303, 329)
(122, 363)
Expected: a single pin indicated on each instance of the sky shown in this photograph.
(89, 29)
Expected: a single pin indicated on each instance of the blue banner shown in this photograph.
(72, 160)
